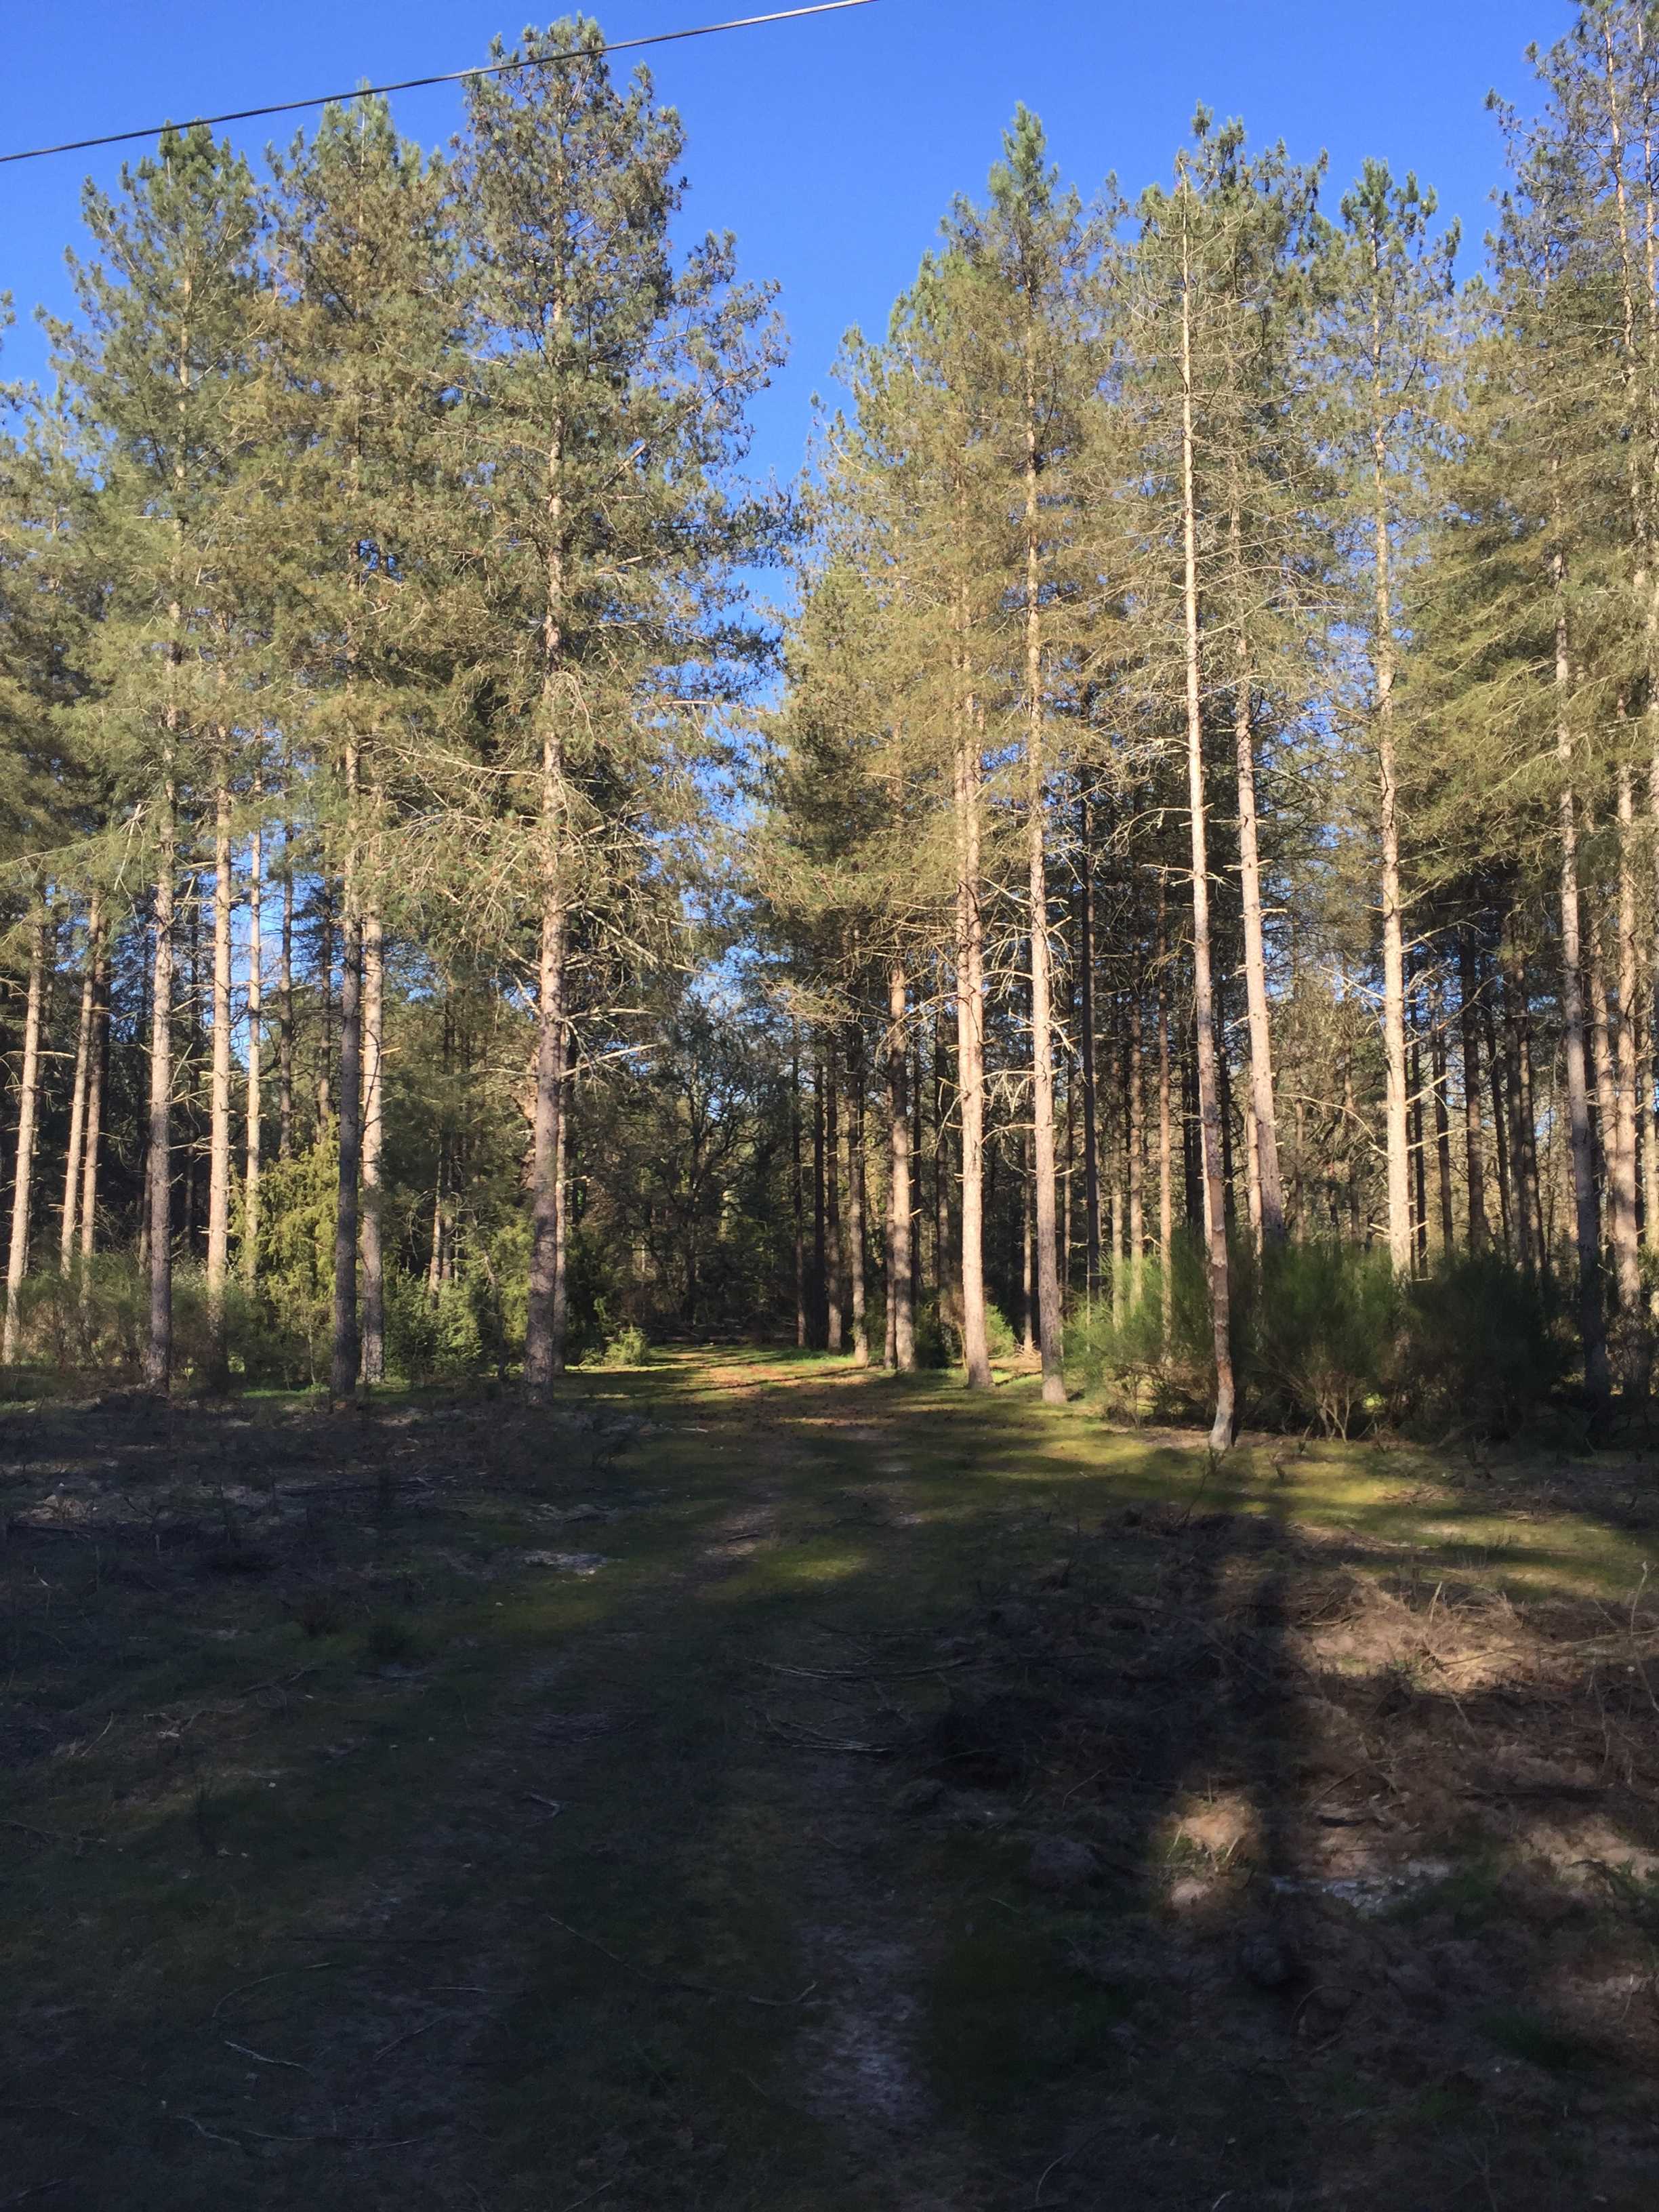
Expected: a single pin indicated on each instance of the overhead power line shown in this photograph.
(447, 77)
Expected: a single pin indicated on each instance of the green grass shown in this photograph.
(546, 1885)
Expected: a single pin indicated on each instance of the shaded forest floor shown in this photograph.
(755, 1784)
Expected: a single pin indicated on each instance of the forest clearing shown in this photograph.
(831, 1269)
(751, 1783)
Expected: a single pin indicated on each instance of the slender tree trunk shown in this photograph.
(97, 1077)
(833, 1269)
(797, 1195)
(1572, 1010)
(1473, 1140)
(560, 1318)
(1263, 1113)
(346, 1357)
(1221, 1429)
(1393, 955)
(374, 1148)
(285, 1008)
(1626, 1241)
(252, 1163)
(971, 1040)
(1049, 1324)
(545, 1242)
(1441, 1130)
(902, 1330)
(158, 1355)
(857, 1196)
(218, 1249)
(1085, 961)
(84, 1047)
(820, 1219)
(28, 1106)
(1137, 1135)
(1165, 1133)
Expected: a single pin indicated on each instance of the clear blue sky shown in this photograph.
(831, 147)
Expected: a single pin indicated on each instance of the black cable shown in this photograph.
(448, 77)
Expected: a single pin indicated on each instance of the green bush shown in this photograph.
(1317, 1334)
(1483, 1349)
(628, 1346)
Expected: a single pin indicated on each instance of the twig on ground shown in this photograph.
(409, 2033)
(247, 2052)
(552, 1804)
(39, 2188)
(229, 2141)
(679, 1982)
(1066, 2158)
(320, 1966)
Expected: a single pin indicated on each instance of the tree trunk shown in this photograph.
(1473, 1141)
(1267, 1182)
(1050, 1324)
(546, 1243)
(1137, 1140)
(857, 1196)
(1221, 1429)
(970, 1042)
(1085, 961)
(903, 1329)
(84, 1045)
(1572, 1011)
(28, 1106)
(158, 1354)
(96, 1079)
(346, 1355)
(218, 1247)
(374, 1148)
(1393, 955)
(797, 1196)
(1441, 1128)
(285, 1010)
(820, 1225)
(256, 1014)
(1165, 1133)
(833, 1279)
(561, 1313)
(1626, 1241)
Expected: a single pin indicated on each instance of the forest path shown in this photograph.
(757, 1784)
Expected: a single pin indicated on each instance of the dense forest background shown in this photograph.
(1177, 897)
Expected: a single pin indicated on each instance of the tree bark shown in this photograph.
(1626, 1240)
(218, 1246)
(254, 1117)
(96, 1078)
(84, 1045)
(545, 1242)
(158, 1352)
(1049, 1324)
(970, 1034)
(1393, 955)
(903, 1329)
(1221, 1429)
(1572, 1009)
(1166, 1133)
(1441, 1128)
(28, 1105)
(285, 1008)
(1268, 1183)
(857, 1196)
(1085, 961)
(346, 1353)
(834, 1281)
(797, 1195)
(373, 1022)
(1473, 1137)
